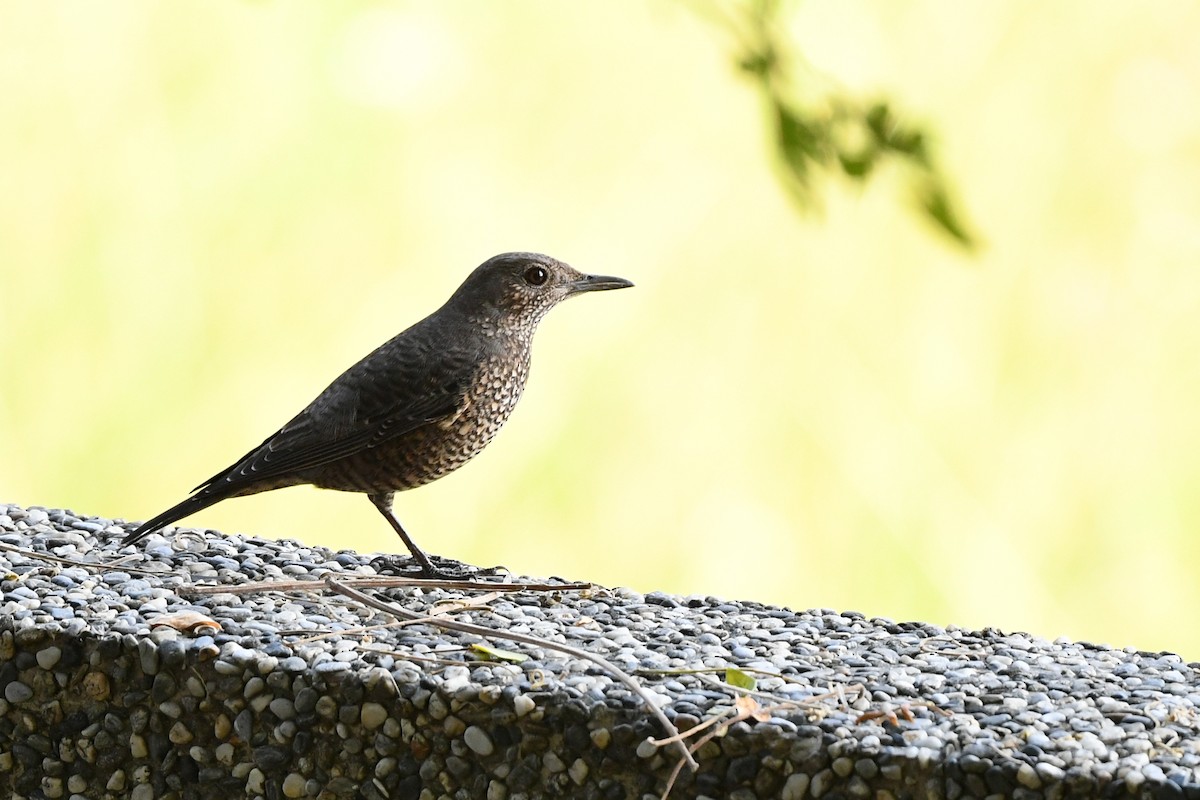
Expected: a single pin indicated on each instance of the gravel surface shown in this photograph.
(282, 694)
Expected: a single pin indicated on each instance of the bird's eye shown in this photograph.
(536, 276)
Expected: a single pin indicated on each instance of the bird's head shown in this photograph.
(517, 289)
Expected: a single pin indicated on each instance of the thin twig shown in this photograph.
(359, 631)
(441, 662)
(745, 709)
(382, 583)
(701, 671)
(812, 702)
(441, 608)
(100, 565)
(690, 732)
(533, 641)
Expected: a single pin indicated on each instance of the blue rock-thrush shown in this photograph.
(419, 406)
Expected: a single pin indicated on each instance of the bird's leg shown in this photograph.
(383, 501)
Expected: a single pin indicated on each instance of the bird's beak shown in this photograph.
(596, 283)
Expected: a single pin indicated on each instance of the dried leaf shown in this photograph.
(185, 621)
(748, 708)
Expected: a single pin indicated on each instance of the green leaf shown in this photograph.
(496, 654)
(760, 63)
(857, 165)
(935, 202)
(819, 130)
(799, 140)
(910, 144)
(879, 121)
(735, 677)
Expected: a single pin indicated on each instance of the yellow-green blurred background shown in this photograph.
(208, 210)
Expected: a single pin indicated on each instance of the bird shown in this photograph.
(417, 407)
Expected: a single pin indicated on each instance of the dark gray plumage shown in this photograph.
(418, 407)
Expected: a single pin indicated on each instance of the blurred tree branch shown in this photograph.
(818, 132)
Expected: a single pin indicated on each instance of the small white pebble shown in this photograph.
(523, 704)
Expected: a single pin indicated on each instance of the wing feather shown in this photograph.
(386, 395)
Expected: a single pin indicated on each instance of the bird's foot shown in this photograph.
(408, 567)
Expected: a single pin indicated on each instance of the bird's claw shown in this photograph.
(406, 566)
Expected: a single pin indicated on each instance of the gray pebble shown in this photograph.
(373, 715)
(821, 782)
(180, 733)
(17, 692)
(327, 667)
(137, 746)
(283, 708)
(294, 785)
(49, 657)
(293, 664)
(256, 782)
(1027, 776)
(478, 740)
(578, 771)
(794, 787)
(523, 704)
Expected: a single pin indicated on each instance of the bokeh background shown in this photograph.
(211, 209)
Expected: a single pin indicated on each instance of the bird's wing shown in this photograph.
(378, 399)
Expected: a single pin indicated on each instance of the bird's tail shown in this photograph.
(175, 512)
